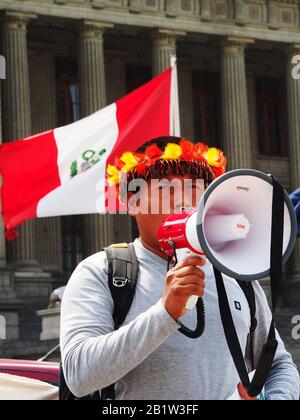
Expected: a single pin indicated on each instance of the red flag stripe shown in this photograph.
(29, 171)
(143, 115)
(139, 121)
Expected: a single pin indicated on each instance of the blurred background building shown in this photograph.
(68, 58)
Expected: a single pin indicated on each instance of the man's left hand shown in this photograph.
(244, 394)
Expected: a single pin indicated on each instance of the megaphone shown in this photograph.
(232, 225)
(244, 223)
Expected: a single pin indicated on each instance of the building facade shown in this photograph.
(67, 58)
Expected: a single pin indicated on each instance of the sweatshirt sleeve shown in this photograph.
(95, 356)
(283, 380)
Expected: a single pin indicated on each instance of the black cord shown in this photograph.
(200, 322)
(200, 308)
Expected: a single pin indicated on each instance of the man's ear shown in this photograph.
(131, 205)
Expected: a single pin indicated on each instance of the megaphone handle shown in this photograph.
(191, 302)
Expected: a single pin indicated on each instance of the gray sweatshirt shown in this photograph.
(147, 357)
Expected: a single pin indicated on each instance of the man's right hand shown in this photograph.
(183, 281)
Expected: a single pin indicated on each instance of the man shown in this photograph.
(147, 358)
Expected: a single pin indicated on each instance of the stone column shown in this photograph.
(98, 229)
(6, 277)
(44, 117)
(236, 128)
(164, 46)
(186, 101)
(18, 116)
(115, 70)
(115, 75)
(251, 92)
(293, 119)
(293, 114)
(91, 67)
(9, 305)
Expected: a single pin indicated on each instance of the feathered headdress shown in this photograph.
(180, 159)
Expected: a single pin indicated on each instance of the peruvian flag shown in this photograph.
(62, 171)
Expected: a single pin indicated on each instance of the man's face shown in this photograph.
(157, 199)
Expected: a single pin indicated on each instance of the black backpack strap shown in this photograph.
(122, 278)
(248, 290)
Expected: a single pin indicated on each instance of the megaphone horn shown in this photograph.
(232, 225)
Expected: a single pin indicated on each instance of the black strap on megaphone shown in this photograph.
(269, 350)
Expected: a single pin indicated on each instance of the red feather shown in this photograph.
(153, 152)
(141, 168)
(187, 149)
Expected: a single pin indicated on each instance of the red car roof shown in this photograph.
(43, 371)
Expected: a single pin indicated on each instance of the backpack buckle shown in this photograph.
(120, 281)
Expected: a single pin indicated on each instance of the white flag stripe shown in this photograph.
(85, 193)
(97, 132)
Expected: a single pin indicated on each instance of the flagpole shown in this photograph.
(175, 112)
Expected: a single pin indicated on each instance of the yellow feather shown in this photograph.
(113, 175)
(130, 161)
(172, 151)
(212, 156)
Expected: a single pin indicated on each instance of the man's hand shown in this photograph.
(183, 281)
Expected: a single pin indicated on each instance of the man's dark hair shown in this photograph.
(161, 142)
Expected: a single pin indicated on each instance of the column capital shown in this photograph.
(18, 21)
(163, 48)
(166, 37)
(292, 49)
(92, 29)
(235, 45)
